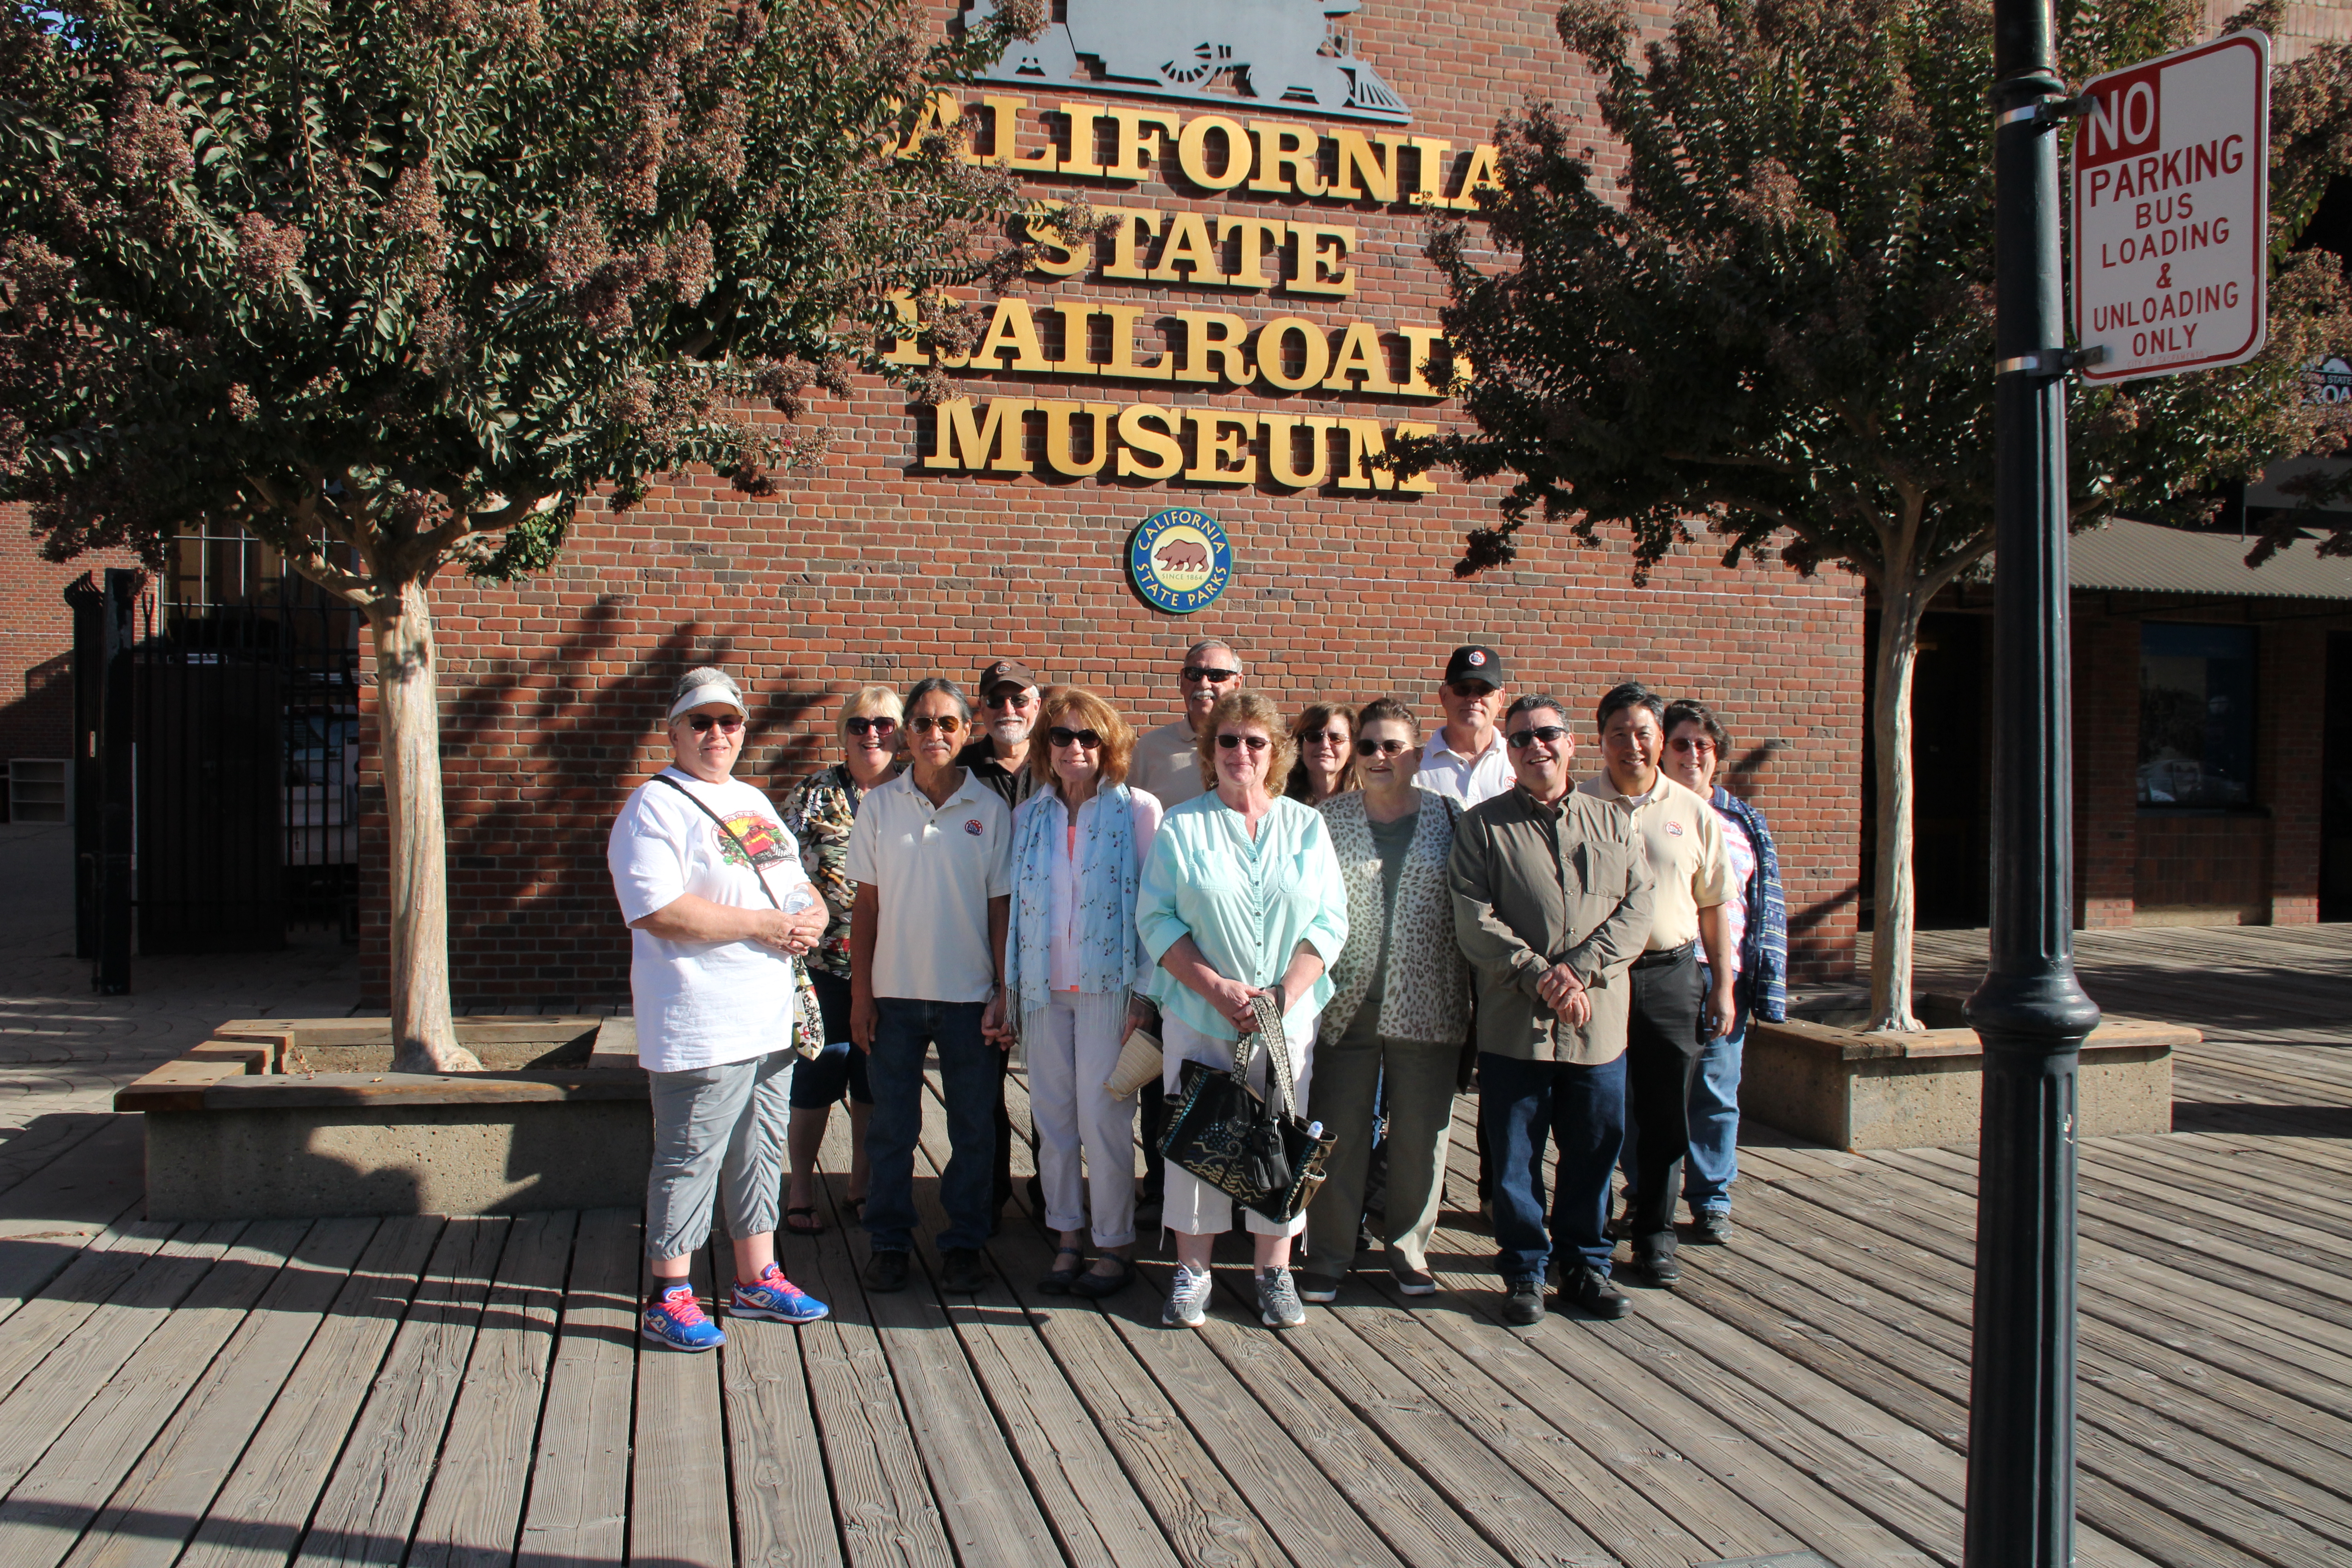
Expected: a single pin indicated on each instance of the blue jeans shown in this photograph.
(1714, 1161)
(971, 1069)
(1581, 1109)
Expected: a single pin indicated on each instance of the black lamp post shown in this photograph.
(2030, 1012)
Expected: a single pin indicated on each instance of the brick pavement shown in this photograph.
(63, 1050)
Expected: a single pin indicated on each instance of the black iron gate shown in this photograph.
(225, 739)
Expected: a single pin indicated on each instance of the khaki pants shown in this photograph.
(1421, 1110)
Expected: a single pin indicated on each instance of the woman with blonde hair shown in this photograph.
(1241, 895)
(1072, 963)
(1326, 737)
(819, 813)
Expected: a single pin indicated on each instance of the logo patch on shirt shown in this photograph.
(1676, 828)
(971, 825)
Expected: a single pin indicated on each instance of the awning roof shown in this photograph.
(2142, 558)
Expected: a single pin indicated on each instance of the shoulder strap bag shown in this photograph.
(1255, 1151)
(808, 1018)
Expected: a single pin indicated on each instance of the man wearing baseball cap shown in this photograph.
(1466, 761)
(999, 756)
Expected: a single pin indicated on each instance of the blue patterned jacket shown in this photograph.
(1764, 945)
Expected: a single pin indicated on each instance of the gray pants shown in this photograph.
(717, 1127)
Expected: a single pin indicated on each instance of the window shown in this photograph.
(2196, 715)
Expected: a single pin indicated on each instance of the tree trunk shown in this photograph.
(1896, 914)
(408, 724)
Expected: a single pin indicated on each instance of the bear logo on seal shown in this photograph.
(1182, 555)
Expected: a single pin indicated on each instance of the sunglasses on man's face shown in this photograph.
(1693, 745)
(1087, 738)
(728, 722)
(1548, 734)
(1471, 690)
(1324, 738)
(1015, 700)
(1254, 743)
(880, 729)
(1195, 673)
(1378, 748)
(945, 723)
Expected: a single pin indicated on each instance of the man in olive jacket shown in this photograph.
(1552, 897)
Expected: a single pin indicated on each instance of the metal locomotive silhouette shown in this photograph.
(1277, 51)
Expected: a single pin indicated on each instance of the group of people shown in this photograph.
(1034, 876)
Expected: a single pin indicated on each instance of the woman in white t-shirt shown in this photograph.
(718, 911)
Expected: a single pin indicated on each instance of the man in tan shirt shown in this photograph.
(1551, 906)
(1670, 1018)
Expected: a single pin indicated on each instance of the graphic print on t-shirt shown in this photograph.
(761, 835)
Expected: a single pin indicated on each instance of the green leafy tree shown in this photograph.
(1775, 330)
(399, 284)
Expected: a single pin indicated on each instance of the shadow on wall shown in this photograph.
(39, 721)
(532, 919)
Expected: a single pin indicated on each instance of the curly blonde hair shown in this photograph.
(1249, 707)
(1076, 708)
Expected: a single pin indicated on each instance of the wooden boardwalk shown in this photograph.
(471, 1392)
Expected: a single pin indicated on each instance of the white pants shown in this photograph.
(1189, 1205)
(1071, 1044)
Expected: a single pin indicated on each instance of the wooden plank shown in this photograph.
(258, 1516)
(90, 1180)
(105, 1267)
(783, 1502)
(63, 1491)
(473, 1509)
(165, 1494)
(367, 1511)
(677, 1473)
(577, 1512)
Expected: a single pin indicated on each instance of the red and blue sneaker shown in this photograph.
(676, 1318)
(774, 1296)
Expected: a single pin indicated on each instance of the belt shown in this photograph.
(1665, 956)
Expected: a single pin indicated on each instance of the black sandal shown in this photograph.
(800, 1225)
(1059, 1281)
(1095, 1286)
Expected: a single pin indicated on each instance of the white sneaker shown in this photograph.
(1188, 1299)
(1277, 1300)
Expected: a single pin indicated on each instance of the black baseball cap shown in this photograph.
(1475, 663)
(1006, 671)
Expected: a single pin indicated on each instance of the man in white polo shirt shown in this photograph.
(931, 853)
(1466, 761)
(1672, 1013)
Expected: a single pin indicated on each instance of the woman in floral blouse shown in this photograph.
(820, 812)
(1072, 963)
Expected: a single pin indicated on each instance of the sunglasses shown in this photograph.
(1548, 734)
(1011, 699)
(1471, 690)
(728, 722)
(1087, 738)
(945, 723)
(1254, 743)
(1214, 677)
(1698, 746)
(1324, 738)
(884, 728)
(1378, 748)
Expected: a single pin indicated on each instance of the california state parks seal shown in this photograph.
(1179, 561)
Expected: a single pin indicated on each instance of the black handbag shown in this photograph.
(1254, 1151)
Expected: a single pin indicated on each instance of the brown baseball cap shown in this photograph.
(1004, 671)
(1475, 663)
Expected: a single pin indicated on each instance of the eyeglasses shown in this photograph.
(1011, 699)
(1254, 743)
(728, 722)
(1378, 748)
(1087, 738)
(1548, 734)
(1194, 672)
(1471, 690)
(881, 729)
(1693, 745)
(1324, 738)
(945, 723)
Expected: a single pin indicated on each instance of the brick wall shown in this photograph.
(2209, 867)
(37, 642)
(2106, 759)
(2292, 673)
(873, 568)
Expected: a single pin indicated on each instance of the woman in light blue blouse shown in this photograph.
(1072, 963)
(1241, 894)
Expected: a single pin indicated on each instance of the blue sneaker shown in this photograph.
(678, 1320)
(774, 1296)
